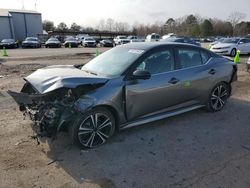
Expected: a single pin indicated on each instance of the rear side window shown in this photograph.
(204, 56)
(189, 58)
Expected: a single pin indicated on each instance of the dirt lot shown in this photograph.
(195, 149)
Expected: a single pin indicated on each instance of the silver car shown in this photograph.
(126, 86)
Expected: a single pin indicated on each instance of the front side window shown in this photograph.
(158, 62)
(243, 41)
(189, 58)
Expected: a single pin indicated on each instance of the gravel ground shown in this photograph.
(195, 149)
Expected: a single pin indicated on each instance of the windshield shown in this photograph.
(172, 39)
(31, 39)
(230, 41)
(122, 37)
(113, 62)
(53, 39)
(89, 39)
(7, 40)
(71, 39)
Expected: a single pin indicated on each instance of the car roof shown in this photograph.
(150, 45)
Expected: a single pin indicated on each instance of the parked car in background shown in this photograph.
(229, 46)
(89, 42)
(106, 43)
(80, 38)
(132, 38)
(129, 85)
(181, 40)
(121, 40)
(53, 43)
(8, 43)
(208, 39)
(31, 42)
(71, 41)
(169, 36)
(216, 42)
(153, 37)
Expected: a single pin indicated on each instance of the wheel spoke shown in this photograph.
(216, 104)
(219, 90)
(106, 136)
(224, 94)
(102, 138)
(93, 121)
(214, 97)
(221, 101)
(96, 120)
(90, 140)
(83, 130)
(104, 125)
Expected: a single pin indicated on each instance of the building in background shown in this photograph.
(19, 24)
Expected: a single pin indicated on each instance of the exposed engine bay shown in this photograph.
(53, 111)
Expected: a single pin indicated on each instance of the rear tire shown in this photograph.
(93, 128)
(218, 97)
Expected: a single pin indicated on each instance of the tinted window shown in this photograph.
(158, 62)
(204, 56)
(189, 58)
(244, 41)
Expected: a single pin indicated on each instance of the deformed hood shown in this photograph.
(54, 77)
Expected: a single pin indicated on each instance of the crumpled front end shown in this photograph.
(53, 111)
(48, 111)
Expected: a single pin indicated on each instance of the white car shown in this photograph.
(135, 39)
(121, 40)
(81, 37)
(153, 37)
(169, 35)
(89, 42)
(231, 45)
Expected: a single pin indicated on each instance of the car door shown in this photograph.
(244, 46)
(196, 76)
(161, 91)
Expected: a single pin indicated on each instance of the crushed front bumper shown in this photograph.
(48, 117)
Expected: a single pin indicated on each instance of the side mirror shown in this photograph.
(141, 74)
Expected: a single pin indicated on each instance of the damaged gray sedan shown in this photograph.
(126, 86)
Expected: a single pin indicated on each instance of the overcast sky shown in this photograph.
(89, 12)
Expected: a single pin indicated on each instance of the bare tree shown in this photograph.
(110, 24)
(101, 25)
(236, 17)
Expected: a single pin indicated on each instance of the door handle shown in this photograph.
(173, 80)
(212, 71)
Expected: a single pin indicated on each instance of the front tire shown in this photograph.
(233, 52)
(218, 97)
(93, 128)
